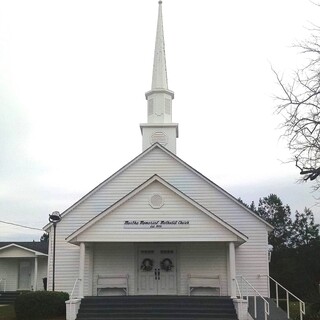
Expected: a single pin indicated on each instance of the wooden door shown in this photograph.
(157, 271)
(167, 282)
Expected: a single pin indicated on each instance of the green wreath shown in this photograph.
(147, 265)
(166, 264)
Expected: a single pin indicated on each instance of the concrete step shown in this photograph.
(157, 308)
(8, 297)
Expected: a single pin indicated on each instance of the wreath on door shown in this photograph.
(146, 265)
(166, 264)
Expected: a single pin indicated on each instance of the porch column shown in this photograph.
(232, 270)
(35, 274)
(81, 268)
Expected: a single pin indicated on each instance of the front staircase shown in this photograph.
(8, 297)
(276, 313)
(157, 308)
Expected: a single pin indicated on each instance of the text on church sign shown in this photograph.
(156, 224)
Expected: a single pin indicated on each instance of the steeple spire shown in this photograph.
(159, 127)
(159, 76)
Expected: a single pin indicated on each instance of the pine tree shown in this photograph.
(272, 210)
(304, 230)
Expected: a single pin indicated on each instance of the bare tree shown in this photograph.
(299, 104)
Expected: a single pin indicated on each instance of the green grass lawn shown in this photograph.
(295, 310)
(7, 313)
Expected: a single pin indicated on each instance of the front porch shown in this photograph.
(161, 268)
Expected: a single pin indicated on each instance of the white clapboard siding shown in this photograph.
(67, 264)
(114, 258)
(158, 161)
(42, 272)
(15, 252)
(203, 259)
(9, 270)
(201, 226)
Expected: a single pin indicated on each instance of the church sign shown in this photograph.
(156, 224)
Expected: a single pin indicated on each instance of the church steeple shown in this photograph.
(159, 127)
(159, 75)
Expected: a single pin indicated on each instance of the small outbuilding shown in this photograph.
(23, 265)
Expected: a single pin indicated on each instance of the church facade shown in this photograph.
(158, 226)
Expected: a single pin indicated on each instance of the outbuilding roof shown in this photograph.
(38, 246)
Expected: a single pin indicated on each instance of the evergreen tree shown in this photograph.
(44, 237)
(252, 206)
(295, 261)
(272, 210)
(304, 230)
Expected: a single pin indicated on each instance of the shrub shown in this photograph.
(40, 305)
(312, 311)
(313, 307)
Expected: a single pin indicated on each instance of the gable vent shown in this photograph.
(156, 201)
(159, 137)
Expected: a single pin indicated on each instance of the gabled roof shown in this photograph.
(242, 238)
(35, 247)
(141, 155)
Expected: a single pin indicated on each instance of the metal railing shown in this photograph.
(71, 308)
(4, 281)
(302, 306)
(238, 288)
(74, 287)
(255, 293)
(239, 296)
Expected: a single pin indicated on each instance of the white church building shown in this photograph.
(157, 226)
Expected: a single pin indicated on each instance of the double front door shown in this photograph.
(157, 271)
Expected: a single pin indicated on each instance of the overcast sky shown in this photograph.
(72, 80)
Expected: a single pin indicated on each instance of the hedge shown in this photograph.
(40, 305)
